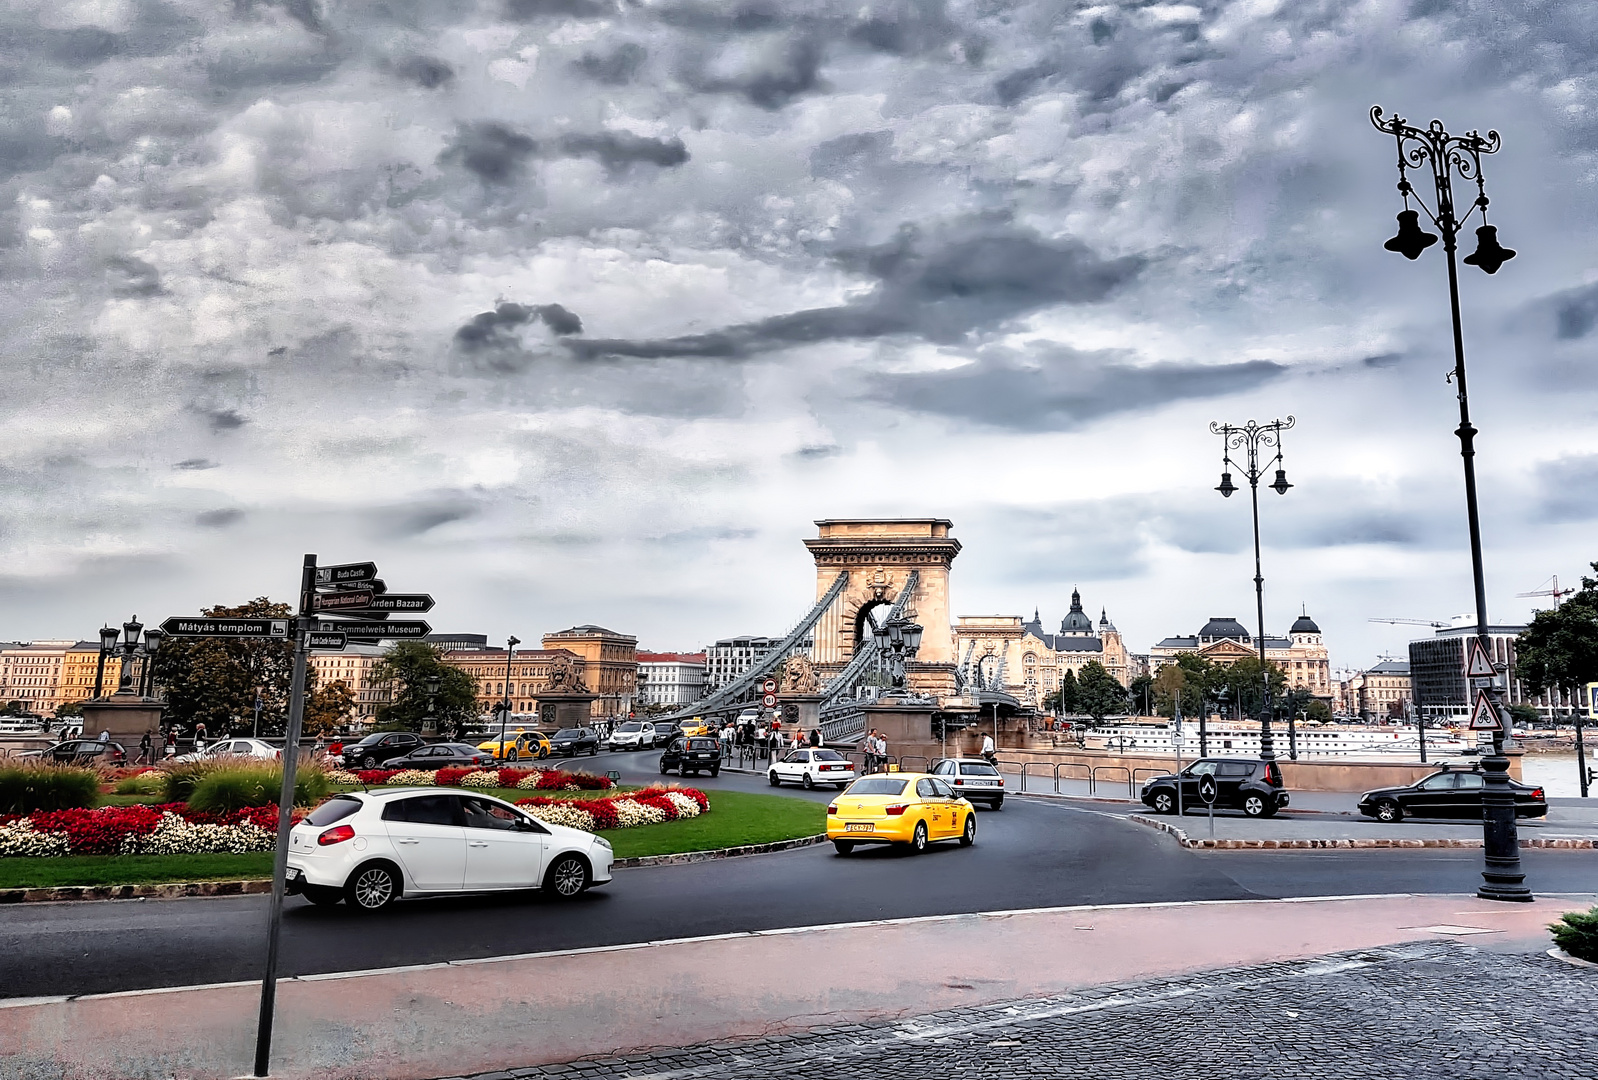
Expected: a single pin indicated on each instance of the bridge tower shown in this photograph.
(880, 554)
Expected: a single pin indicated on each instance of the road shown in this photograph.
(1033, 853)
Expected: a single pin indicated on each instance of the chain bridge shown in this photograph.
(868, 571)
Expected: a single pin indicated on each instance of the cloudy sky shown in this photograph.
(583, 310)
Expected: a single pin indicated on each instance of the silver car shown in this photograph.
(974, 778)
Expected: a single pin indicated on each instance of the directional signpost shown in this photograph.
(1207, 793)
(413, 602)
(342, 600)
(226, 628)
(413, 630)
(319, 639)
(346, 574)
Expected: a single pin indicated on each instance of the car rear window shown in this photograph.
(977, 768)
(878, 785)
(702, 744)
(337, 808)
(827, 755)
(568, 733)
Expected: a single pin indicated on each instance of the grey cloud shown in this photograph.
(792, 72)
(195, 463)
(133, 277)
(218, 519)
(615, 68)
(84, 46)
(843, 156)
(969, 276)
(492, 339)
(817, 452)
(425, 71)
(427, 513)
(531, 10)
(906, 27)
(721, 18)
(1567, 489)
(1059, 389)
(1576, 313)
(1023, 81)
(1383, 360)
(224, 419)
(618, 149)
(492, 151)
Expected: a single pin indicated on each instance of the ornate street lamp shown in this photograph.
(1432, 147)
(1249, 438)
(430, 725)
(135, 645)
(504, 706)
(108, 644)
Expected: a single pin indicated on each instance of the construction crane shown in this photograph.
(1556, 592)
(1415, 622)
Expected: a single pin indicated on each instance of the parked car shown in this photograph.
(1247, 784)
(1447, 793)
(254, 748)
(808, 768)
(84, 752)
(569, 742)
(380, 747)
(900, 808)
(517, 745)
(663, 731)
(701, 753)
(443, 756)
(370, 848)
(975, 778)
(631, 735)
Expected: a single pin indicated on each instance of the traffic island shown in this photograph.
(1327, 831)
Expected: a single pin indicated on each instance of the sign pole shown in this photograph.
(285, 811)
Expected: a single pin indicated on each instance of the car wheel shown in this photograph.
(998, 804)
(1253, 806)
(372, 887)
(593, 751)
(664, 768)
(715, 772)
(844, 846)
(512, 754)
(322, 895)
(918, 839)
(1164, 803)
(567, 877)
(773, 778)
(368, 762)
(807, 783)
(1388, 812)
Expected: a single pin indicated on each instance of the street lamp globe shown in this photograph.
(1226, 487)
(1281, 485)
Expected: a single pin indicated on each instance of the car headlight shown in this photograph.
(602, 841)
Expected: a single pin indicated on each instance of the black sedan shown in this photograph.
(569, 742)
(86, 752)
(1450, 793)
(443, 756)
(701, 753)
(379, 748)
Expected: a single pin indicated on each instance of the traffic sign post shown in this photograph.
(1484, 717)
(1207, 792)
(180, 626)
(346, 573)
(322, 640)
(411, 630)
(1477, 663)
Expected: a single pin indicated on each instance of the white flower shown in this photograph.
(411, 778)
(175, 836)
(563, 814)
(20, 838)
(686, 807)
(482, 778)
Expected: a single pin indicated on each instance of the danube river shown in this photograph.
(1555, 772)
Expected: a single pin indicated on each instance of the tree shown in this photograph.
(1188, 678)
(1066, 701)
(1242, 681)
(1099, 693)
(15, 707)
(404, 670)
(1559, 650)
(328, 708)
(214, 680)
(70, 711)
(1524, 715)
(1142, 691)
(1318, 710)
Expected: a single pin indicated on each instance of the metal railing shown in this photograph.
(1093, 780)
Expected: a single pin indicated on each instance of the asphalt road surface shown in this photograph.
(1030, 854)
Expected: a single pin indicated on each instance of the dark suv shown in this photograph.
(1247, 784)
(378, 747)
(700, 753)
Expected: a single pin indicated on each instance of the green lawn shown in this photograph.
(43, 873)
(735, 818)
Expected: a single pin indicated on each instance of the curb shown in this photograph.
(243, 888)
(1561, 843)
(1575, 961)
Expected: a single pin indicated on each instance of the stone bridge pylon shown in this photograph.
(880, 554)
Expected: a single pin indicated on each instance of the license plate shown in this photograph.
(980, 783)
(859, 826)
(291, 874)
(702, 755)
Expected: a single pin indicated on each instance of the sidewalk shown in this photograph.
(537, 1011)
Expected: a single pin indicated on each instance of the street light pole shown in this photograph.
(1445, 154)
(504, 706)
(1249, 438)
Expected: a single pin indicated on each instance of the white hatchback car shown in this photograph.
(369, 848)
(811, 767)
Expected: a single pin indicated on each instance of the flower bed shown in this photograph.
(651, 806)
(168, 829)
(525, 779)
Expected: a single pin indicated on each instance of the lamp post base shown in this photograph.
(1502, 878)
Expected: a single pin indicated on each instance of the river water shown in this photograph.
(1555, 772)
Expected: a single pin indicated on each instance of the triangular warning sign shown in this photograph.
(1484, 717)
(1477, 666)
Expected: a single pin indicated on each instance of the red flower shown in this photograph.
(511, 777)
(97, 832)
(450, 777)
(375, 777)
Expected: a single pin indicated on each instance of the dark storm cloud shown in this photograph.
(531, 10)
(195, 463)
(1059, 389)
(1567, 489)
(618, 149)
(224, 419)
(492, 341)
(970, 276)
(492, 151)
(615, 68)
(905, 27)
(1576, 313)
(133, 277)
(426, 513)
(219, 519)
(791, 73)
(426, 71)
(1023, 82)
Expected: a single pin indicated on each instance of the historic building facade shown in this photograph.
(608, 665)
(1032, 661)
(670, 679)
(1301, 655)
(731, 657)
(45, 675)
(353, 666)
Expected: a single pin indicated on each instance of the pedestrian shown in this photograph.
(990, 751)
(105, 736)
(144, 750)
(882, 752)
(798, 739)
(815, 737)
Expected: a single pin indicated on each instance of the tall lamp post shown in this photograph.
(504, 706)
(136, 644)
(432, 683)
(1250, 438)
(1433, 148)
(108, 645)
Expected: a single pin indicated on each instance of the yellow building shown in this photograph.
(609, 665)
(353, 667)
(528, 674)
(78, 666)
(44, 675)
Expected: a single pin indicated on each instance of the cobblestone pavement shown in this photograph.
(1436, 1009)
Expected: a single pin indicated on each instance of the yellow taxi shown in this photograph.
(519, 744)
(900, 808)
(696, 726)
